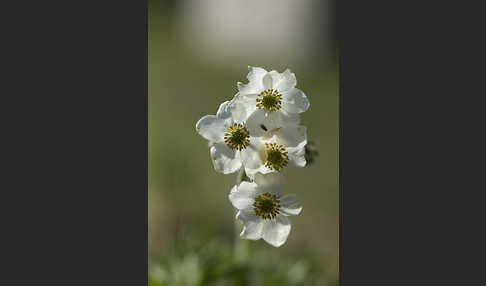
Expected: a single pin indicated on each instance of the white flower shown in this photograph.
(289, 134)
(270, 98)
(232, 144)
(229, 141)
(275, 144)
(276, 150)
(262, 209)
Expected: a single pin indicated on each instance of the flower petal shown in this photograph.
(252, 159)
(268, 81)
(276, 231)
(253, 156)
(289, 118)
(273, 120)
(223, 111)
(251, 88)
(255, 81)
(273, 179)
(253, 225)
(259, 124)
(242, 106)
(242, 196)
(272, 189)
(285, 82)
(294, 101)
(287, 199)
(297, 155)
(225, 160)
(251, 171)
(262, 124)
(256, 74)
(211, 127)
(292, 136)
(261, 169)
(288, 205)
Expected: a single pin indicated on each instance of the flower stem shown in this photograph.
(241, 246)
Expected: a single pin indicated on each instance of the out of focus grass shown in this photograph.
(214, 263)
(190, 216)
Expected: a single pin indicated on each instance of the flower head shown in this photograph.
(259, 133)
(271, 97)
(235, 143)
(263, 210)
(231, 144)
(275, 151)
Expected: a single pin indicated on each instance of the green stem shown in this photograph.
(241, 246)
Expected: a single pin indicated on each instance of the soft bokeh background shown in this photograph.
(198, 50)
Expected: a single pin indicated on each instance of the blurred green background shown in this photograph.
(197, 53)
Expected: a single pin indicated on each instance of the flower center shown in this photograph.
(266, 206)
(277, 157)
(269, 99)
(237, 137)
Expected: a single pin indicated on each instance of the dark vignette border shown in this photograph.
(77, 113)
(405, 136)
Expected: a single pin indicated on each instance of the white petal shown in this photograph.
(242, 196)
(251, 171)
(225, 160)
(297, 155)
(256, 74)
(255, 81)
(286, 81)
(267, 81)
(252, 159)
(262, 124)
(242, 107)
(282, 81)
(253, 156)
(289, 118)
(273, 179)
(288, 205)
(287, 199)
(276, 189)
(211, 127)
(258, 123)
(261, 169)
(223, 111)
(294, 101)
(291, 210)
(253, 225)
(292, 136)
(251, 88)
(273, 120)
(275, 78)
(276, 231)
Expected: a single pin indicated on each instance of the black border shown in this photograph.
(75, 195)
(408, 126)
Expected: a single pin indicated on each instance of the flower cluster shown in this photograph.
(258, 133)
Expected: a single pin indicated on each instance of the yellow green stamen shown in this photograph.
(266, 206)
(237, 137)
(269, 99)
(277, 157)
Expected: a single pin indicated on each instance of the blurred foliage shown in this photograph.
(214, 263)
